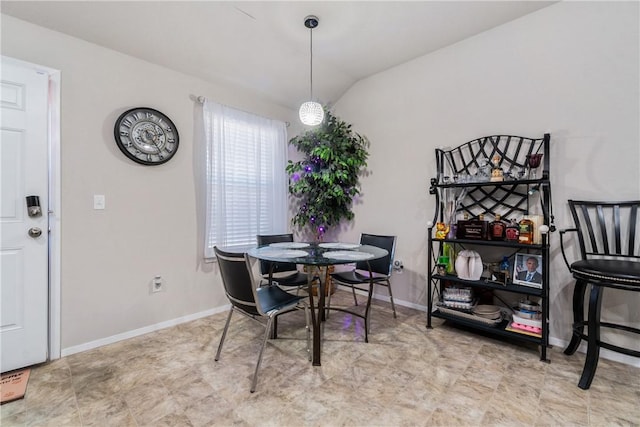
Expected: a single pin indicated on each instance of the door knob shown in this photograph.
(35, 232)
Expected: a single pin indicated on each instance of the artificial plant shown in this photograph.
(324, 183)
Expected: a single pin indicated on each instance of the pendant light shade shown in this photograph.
(311, 112)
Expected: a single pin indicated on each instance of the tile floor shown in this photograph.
(405, 376)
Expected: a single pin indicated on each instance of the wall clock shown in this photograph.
(146, 136)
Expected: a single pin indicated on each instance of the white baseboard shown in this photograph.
(604, 353)
(387, 299)
(141, 331)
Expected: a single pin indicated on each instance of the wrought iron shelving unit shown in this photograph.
(509, 198)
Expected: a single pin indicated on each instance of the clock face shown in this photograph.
(146, 136)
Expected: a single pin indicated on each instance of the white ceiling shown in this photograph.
(264, 46)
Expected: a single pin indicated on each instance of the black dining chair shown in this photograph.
(285, 274)
(609, 239)
(360, 278)
(253, 301)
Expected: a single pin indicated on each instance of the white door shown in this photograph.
(24, 269)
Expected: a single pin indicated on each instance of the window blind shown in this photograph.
(246, 178)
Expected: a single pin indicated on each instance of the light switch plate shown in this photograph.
(98, 201)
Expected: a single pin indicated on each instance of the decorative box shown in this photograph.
(473, 229)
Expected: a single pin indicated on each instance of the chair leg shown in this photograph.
(327, 306)
(393, 306)
(593, 339)
(274, 328)
(578, 316)
(355, 300)
(307, 317)
(367, 314)
(328, 284)
(224, 334)
(267, 332)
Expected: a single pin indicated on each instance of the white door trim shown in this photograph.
(54, 202)
(54, 214)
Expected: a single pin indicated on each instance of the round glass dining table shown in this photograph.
(317, 255)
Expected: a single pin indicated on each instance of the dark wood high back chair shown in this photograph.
(609, 238)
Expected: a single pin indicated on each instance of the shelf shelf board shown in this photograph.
(498, 243)
(498, 329)
(509, 183)
(528, 290)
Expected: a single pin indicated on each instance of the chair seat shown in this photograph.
(608, 272)
(274, 298)
(295, 279)
(354, 277)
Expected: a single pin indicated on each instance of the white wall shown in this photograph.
(152, 221)
(570, 69)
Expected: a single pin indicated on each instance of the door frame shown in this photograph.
(54, 208)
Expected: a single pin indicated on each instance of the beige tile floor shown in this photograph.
(405, 376)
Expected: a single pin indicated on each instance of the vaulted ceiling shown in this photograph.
(264, 46)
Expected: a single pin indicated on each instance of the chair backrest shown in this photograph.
(381, 265)
(237, 278)
(607, 229)
(278, 267)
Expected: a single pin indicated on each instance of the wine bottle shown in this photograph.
(512, 231)
(526, 231)
(497, 229)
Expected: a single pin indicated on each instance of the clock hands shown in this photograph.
(157, 147)
(146, 136)
(151, 136)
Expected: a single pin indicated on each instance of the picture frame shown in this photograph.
(522, 264)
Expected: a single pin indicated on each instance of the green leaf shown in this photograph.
(338, 156)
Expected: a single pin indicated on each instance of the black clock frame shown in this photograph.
(121, 145)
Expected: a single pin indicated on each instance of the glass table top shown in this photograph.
(318, 254)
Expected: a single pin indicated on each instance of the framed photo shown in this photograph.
(527, 270)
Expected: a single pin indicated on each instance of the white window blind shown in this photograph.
(246, 179)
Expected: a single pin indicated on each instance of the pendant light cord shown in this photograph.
(311, 113)
(311, 65)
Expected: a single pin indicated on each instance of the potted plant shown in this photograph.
(324, 183)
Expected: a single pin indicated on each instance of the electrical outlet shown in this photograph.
(398, 266)
(157, 285)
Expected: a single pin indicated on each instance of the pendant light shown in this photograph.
(311, 112)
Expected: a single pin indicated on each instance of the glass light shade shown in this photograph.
(311, 113)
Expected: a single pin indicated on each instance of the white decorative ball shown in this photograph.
(311, 113)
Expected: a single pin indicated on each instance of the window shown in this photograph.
(246, 180)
